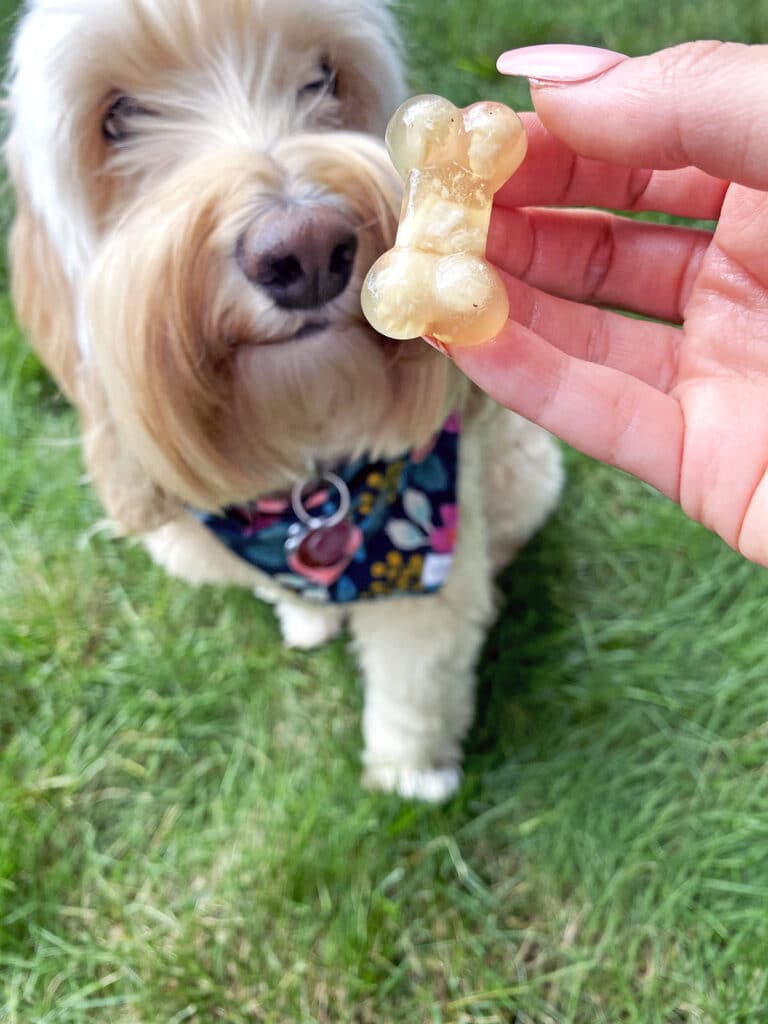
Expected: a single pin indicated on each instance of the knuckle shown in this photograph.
(638, 182)
(599, 261)
(531, 249)
(669, 371)
(568, 179)
(686, 60)
(691, 79)
(544, 408)
(598, 344)
(624, 412)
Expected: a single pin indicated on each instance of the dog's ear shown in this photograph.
(134, 503)
(45, 309)
(40, 291)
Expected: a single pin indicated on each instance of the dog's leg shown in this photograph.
(418, 662)
(522, 480)
(305, 627)
(418, 656)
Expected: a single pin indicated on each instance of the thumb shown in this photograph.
(702, 103)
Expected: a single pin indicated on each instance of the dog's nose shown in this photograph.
(301, 256)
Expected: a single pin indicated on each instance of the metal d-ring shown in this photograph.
(318, 522)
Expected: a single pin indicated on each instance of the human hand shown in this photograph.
(683, 131)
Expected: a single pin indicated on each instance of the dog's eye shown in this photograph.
(327, 81)
(119, 119)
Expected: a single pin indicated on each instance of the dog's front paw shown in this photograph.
(434, 785)
(306, 628)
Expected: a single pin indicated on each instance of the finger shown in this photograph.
(600, 411)
(753, 536)
(724, 472)
(644, 350)
(552, 174)
(701, 104)
(591, 256)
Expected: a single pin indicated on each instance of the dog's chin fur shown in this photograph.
(194, 388)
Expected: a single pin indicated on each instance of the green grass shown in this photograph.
(182, 836)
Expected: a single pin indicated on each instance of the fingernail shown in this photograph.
(558, 62)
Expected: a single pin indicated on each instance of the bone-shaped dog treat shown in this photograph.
(436, 279)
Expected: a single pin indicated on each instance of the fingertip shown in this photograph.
(696, 104)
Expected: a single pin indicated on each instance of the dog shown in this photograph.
(201, 187)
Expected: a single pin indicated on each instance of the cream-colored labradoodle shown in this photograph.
(201, 188)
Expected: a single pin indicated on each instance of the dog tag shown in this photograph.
(326, 546)
(321, 541)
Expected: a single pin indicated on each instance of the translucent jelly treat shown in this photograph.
(436, 279)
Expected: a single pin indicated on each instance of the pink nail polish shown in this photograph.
(558, 62)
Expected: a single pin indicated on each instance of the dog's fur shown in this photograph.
(191, 387)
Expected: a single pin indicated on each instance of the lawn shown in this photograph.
(182, 835)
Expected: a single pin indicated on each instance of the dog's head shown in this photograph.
(201, 188)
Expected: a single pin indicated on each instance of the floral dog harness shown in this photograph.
(377, 529)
